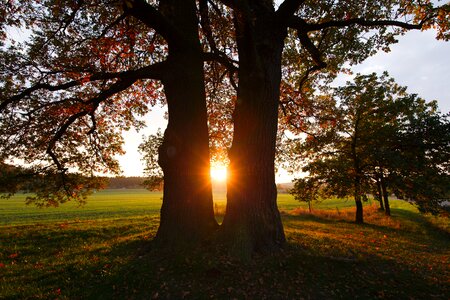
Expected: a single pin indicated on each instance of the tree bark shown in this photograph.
(187, 214)
(359, 207)
(358, 174)
(387, 207)
(380, 194)
(252, 222)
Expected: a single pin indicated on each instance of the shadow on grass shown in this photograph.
(119, 261)
(292, 274)
(422, 221)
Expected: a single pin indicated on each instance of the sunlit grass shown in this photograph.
(101, 205)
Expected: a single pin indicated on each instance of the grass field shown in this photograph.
(122, 203)
(104, 251)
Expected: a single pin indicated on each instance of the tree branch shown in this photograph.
(300, 24)
(206, 24)
(312, 49)
(151, 17)
(222, 59)
(113, 89)
(154, 71)
(229, 3)
(288, 8)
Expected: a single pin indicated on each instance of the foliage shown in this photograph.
(150, 151)
(422, 173)
(307, 190)
(377, 129)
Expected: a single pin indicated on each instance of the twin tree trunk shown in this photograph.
(187, 214)
(252, 222)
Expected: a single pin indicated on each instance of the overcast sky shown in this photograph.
(417, 61)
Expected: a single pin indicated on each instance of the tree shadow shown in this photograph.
(133, 267)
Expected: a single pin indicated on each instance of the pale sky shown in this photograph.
(417, 61)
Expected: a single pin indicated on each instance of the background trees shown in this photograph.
(375, 136)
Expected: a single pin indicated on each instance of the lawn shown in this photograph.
(104, 251)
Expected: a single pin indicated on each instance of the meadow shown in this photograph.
(104, 251)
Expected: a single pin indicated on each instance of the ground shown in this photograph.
(105, 251)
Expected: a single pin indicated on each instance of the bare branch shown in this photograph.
(300, 24)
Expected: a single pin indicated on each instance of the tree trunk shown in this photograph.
(358, 174)
(380, 194)
(387, 210)
(359, 207)
(187, 214)
(252, 222)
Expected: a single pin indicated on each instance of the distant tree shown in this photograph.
(149, 148)
(10, 179)
(421, 170)
(122, 182)
(377, 135)
(306, 190)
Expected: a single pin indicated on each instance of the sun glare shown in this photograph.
(218, 173)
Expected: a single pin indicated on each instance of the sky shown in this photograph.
(417, 61)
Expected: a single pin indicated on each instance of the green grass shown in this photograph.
(121, 203)
(101, 205)
(104, 251)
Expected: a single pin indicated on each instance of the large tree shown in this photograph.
(312, 36)
(86, 73)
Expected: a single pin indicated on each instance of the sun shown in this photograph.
(218, 173)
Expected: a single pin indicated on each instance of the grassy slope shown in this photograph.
(106, 252)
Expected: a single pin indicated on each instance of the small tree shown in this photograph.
(306, 190)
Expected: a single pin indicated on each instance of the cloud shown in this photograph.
(419, 62)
